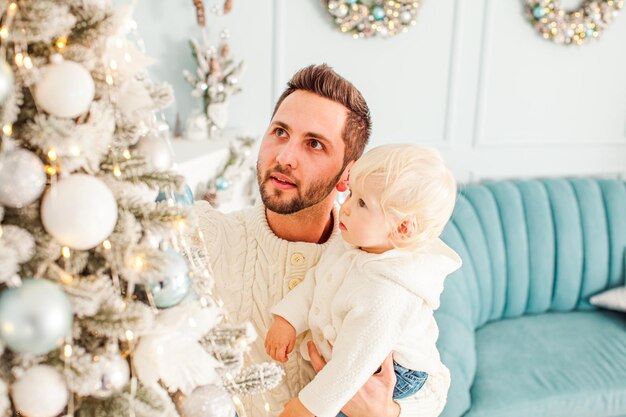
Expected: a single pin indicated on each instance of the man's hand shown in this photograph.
(375, 398)
(280, 339)
(295, 408)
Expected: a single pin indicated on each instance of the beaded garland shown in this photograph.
(364, 19)
(574, 27)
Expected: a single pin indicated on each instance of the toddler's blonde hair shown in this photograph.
(418, 191)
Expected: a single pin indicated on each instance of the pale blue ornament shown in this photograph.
(539, 12)
(36, 317)
(222, 183)
(378, 12)
(351, 2)
(186, 197)
(175, 283)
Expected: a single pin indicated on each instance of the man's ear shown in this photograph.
(342, 185)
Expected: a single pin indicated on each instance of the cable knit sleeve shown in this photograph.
(295, 306)
(370, 329)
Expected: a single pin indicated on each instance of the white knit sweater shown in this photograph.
(366, 305)
(254, 269)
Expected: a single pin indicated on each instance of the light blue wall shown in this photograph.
(166, 26)
(472, 78)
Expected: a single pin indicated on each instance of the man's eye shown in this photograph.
(317, 145)
(280, 132)
(361, 203)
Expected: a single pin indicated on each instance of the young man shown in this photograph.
(320, 126)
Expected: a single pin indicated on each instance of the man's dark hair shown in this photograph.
(323, 81)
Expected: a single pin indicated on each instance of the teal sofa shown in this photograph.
(516, 329)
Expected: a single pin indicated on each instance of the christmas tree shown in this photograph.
(106, 306)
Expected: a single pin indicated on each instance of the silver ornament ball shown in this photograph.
(156, 152)
(36, 317)
(113, 372)
(22, 178)
(175, 284)
(209, 401)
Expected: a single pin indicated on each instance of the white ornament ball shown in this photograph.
(79, 212)
(65, 90)
(209, 401)
(113, 373)
(156, 152)
(7, 80)
(40, 392)
(22, 178)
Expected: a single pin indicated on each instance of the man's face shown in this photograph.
(301, 157)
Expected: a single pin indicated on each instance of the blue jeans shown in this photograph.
(408, 382)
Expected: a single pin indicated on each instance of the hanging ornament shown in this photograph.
(156, 152)
(66, 89)
(35, 317)
(40, 392)
(573, 27)
(364, 19)
(79, 212)
(7, 80)
(22, 178)
(113, 374)
(186, 197)
(175, 284)
(209, 401)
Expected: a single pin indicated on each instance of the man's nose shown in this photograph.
(288, 155)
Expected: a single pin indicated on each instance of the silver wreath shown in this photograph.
(572, 27)
(364, 19)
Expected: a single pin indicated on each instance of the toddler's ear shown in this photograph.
(406, 228)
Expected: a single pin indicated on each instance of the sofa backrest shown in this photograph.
(528, 247)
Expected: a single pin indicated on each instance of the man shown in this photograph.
(320, 126)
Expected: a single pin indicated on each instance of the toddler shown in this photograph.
(375, 290)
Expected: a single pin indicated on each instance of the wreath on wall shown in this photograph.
(364, 19)
(573, 27)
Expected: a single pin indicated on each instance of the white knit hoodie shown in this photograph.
(366, 305)
(254, 269)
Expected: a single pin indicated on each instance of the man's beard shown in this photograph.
(316, 192)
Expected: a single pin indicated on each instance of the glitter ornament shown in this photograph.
(209, 401)
(65, 90)
(22, 178)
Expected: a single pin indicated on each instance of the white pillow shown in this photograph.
(614, 299)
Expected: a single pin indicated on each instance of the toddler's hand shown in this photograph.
(280, 339)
